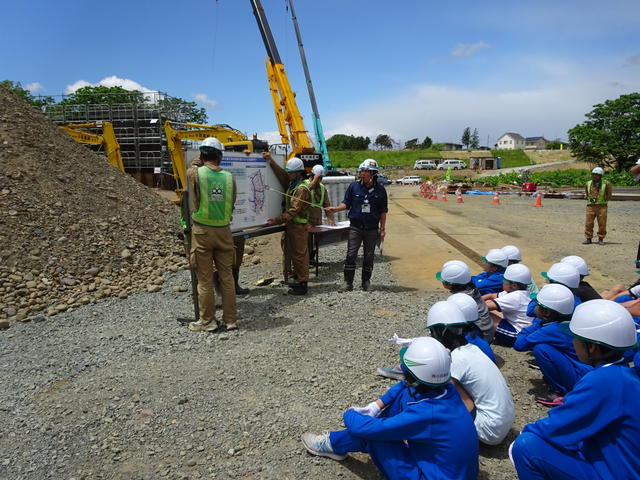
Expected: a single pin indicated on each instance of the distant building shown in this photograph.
(535, 143)
(452, 146)
(510, 141)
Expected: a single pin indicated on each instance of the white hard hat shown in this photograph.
(512, 252)
(445, 313)
(457, 273)
(210, 143)
(605, 322)
(518, 273)
(467, 306)
(563, 273)
(453, 262)
(369, 164)
(598, 171)
(318, 170)
(496, 256)
(294, 165)
(556, 297)
(578, 262)
(428, 361)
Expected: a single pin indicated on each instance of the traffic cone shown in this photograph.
(496, 199)
(433, 194)
(538, 202)
(444, 196)
(459, 196)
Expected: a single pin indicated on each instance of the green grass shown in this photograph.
(511, 158)
(400, 158)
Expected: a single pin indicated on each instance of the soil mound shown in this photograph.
(74, 229)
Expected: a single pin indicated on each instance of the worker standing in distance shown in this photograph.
(320, 201)
(296, 213)
(212, 195)
(366, 201)
(598, 193)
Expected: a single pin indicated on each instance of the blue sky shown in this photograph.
(407, 68)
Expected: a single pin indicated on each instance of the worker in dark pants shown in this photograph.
(366, 201)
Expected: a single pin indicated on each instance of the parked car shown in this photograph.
(454, 164)
(383, 179)
(410, 180)
(424, 165)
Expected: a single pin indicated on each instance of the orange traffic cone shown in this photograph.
(459, 196)
(538, 202)
(496, 199)
(444, 196)
(433, 194)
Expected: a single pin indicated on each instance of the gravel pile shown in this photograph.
(119, 389)
(74, 228)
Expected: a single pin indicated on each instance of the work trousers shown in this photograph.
(238, 247)
(366, 238)
(393, 459)
(559, 370)
(596, 212)
(295, 251)
(209, 246)
(537, 459)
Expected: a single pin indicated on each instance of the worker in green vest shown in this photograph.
(598, 193)
(320, 200)
(212, 192)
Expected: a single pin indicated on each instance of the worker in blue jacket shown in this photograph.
(551, 345)
(595, 434)
(490, 281)
(565, 274)
(419, 429)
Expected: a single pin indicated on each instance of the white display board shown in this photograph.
(336, 186)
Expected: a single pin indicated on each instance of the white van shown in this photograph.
(424, 165)
(454, 163)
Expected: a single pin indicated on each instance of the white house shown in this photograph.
(510, 141)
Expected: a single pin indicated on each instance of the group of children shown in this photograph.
(451, 393)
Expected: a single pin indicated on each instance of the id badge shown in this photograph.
(366, 208)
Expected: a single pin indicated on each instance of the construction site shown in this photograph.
(99, 380)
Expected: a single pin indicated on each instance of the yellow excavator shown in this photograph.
(108, 139)
(232, 139)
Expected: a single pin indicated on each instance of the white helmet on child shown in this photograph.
(453, 262)
(518, 273)
(557, 298)
(512, 252)
(445, 313)
(496, 256)
(563, 273)
(457, 273)
(318, 170)
(466, 304)
(428, 361)
(369, 164)
(294, 164)
(604, 322)
(578, 262)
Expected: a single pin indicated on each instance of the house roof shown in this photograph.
(533, 139)
(517, 136)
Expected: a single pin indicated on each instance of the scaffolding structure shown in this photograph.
(138, 127)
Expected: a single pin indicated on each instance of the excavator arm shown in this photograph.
(107, 139)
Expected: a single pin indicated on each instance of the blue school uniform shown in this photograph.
(428, 437)
(482, 344)
(554, 352)
(594, 434)
(489, 282)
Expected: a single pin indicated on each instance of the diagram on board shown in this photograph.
(257, 189)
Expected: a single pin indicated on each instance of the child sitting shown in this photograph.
(514, 256)
(584, 291)
(490, 281)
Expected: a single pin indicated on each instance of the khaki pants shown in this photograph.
(209, 246)
(295, 250)
(593, 212)
(238, 246)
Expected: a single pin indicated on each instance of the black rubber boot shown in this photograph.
(239, 289)
(298, 289)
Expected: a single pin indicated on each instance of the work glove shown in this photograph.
(403, 342)
(372, 410)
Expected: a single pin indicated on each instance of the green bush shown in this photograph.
(560, 178)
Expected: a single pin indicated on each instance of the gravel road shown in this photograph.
(120, 390)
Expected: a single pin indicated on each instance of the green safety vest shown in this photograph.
(216, 197)
(602, 194)
(323, 191)
(287, 202)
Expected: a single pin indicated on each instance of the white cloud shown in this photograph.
(112, 81)
(634, 59)
(34, 87)
(468, 49)
(209, 102)
(272, 137)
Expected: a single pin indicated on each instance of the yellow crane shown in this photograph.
(107, 139)
(232, 139)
